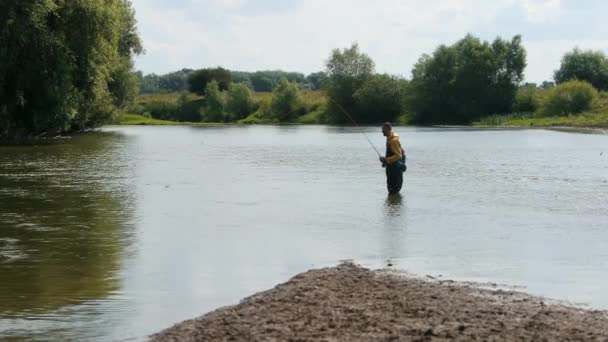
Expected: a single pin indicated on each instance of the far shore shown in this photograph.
(351, 303)
(139, 120)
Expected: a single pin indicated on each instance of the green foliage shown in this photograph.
(263, 115)
(261, 82)
(285, 100)
(547, 85)
(215, 103)
(589, 119)
(65, 64)
(199, 79)
(172, 82)
(317, 80)
(462, 82)
(502, 120)
(182, 107)
(527, 99)
(572, 97)
(347, 71)
(380, 99)
(590, 66)
(239, 102)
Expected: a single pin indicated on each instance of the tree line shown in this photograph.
(195, 80)
(68, 66)
(460, 83)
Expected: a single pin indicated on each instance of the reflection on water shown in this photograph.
(63, 218)
(394, 204)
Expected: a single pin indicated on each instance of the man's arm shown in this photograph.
(396, 148)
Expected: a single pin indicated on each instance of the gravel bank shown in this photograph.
(350, 303)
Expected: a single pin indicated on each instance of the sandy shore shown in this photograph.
(350, 303)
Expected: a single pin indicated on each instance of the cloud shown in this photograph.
(541, 10)
(298, 35)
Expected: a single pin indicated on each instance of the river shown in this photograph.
(122, 233)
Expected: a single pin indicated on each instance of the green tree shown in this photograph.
(572, 97)
(285, 100)
(262, 82)
(199, 79)
(64, 65)
(347, 71)
(465, 81)
(590, 66)
(317, 80)
(547, 85)
(381, 98)
(239, 102)
(215, 103)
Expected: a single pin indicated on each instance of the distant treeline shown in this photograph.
(260, 81)
(68, 66)
(465, 82)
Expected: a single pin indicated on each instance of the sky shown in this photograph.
(299, 35)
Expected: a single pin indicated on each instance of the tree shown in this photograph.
(317, 80)
(590, 66)
(239, 102)
(285, 100)
(347, 71)
(547, 85)
(215, 103)
(64, 65)
(199, 79)
(465, 81)
(262, 82)
(380, 99)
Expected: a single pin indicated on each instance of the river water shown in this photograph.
(120, 234)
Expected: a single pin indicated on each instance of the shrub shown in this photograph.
(572, 97)
(285, 100)
(215, 103)
(527, 99)
(239, 102)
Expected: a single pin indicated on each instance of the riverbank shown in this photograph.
(528, 120)
(573, 123)
(350, 303)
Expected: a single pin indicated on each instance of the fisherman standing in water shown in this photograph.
(393, 161)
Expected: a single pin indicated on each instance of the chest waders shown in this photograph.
(394, 171)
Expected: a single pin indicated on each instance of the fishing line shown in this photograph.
(360, 129)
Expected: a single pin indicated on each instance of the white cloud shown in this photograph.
(541, 10)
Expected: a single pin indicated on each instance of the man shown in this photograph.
(393, 161)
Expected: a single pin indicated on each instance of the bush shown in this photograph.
(263, 115)
(161, 110)
(188, 110)
(527, 99)
(215, 103)
(572, 97)
(285, 100)
(239, 102)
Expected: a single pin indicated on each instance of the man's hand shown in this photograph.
(383, 161)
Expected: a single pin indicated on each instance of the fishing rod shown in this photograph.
(360, 129)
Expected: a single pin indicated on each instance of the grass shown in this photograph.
(136, 119)
(597, 117)
(528, 120)
(166, 97)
